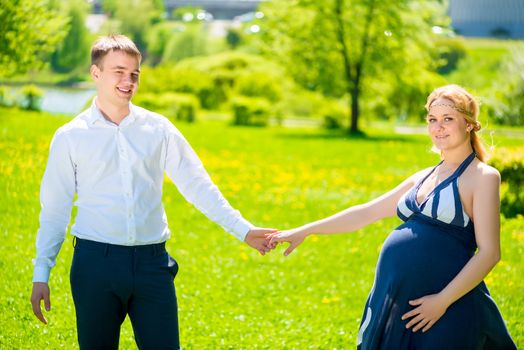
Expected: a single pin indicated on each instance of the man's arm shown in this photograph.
(185, 169)
(56, 199)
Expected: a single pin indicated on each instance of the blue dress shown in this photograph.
(419, 258)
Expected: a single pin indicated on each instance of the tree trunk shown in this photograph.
(355, 110)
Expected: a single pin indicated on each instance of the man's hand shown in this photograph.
(40, 291)
(257, 238)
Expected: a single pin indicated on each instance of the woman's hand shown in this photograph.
(429, 310)
(294, 237)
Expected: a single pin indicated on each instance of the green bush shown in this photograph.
(180, 79)
(334, 115)
(230, 74)
(157, 39)
(190, 42)
(451, 51)
(254, 111)
(259, 84)
(4, 100)
(172, 105)
(31, 97)
(510, 164)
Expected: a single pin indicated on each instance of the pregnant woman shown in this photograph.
(428, 291)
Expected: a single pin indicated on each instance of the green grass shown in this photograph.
(229, 296)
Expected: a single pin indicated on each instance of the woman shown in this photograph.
(428, 291)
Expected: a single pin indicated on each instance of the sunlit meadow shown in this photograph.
(230, 297)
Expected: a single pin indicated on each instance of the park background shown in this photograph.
(298, 109)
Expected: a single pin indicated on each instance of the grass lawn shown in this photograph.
(229, 296)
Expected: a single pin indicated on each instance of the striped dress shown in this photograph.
(420, 258)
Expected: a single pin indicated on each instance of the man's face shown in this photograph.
(117, 77)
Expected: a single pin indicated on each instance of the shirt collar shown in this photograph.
(96, 115)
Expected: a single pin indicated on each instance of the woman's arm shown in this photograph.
(486, 209)
(350, 219)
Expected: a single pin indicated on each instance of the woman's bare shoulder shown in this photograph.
(482, 174)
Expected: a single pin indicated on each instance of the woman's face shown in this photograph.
(446, 126)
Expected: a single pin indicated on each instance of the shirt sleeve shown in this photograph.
(185, 169)
(56, 199)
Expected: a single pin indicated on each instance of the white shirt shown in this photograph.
(117, 171)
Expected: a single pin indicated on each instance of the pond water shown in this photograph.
(66, 101)
(59, 100)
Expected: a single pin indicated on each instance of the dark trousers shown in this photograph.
(110, 281)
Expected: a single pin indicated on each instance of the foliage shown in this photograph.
(259, 84)
(250, 111)
(135, 18)
(4, 99)
(73, 51)
(507, 95)
(158, 38)
(174, 106)
(233, 38)
(229, 296)
(337, 47)
(510, 164)
(450, 51)
(30, 29)
(179, 79)
(190, 41)
(31, 97)
(404, 100)
(481, 67)
(333, 115)
(214, 79)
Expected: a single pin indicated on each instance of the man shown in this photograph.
(113, 156)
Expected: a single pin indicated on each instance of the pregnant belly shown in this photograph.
(421, 254)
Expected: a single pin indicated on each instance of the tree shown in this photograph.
(135, 18)
(339, 46)
(29, 29)
(74, 50)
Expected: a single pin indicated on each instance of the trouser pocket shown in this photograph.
(172, 265)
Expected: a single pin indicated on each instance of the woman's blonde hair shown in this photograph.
(464, 103)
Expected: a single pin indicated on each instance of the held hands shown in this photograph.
(430, 309)
(257, 239)
(294, 237)
(40, 291)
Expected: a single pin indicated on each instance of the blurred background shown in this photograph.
(334, 62)
(298, 109)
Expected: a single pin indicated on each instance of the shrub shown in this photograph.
(189, 42)
(157, 39)
(172, 105)
(334, 115)
(186, 80)
(4, 101)
(254, 111)
(230, 75)
(510, 164)
(451, 51)
(259, 84)
(31, 97)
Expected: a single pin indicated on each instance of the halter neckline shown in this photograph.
(465, 163)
